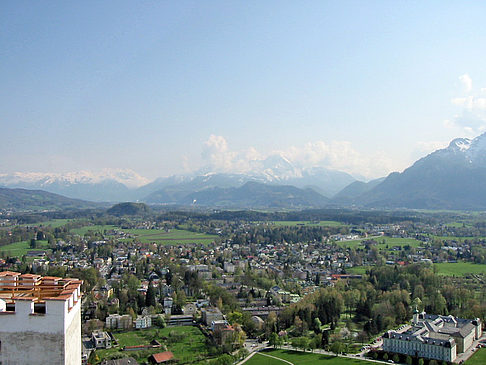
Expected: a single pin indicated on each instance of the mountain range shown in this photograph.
(126, 185)
(449, 178)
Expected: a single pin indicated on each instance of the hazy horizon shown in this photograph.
(170, 88)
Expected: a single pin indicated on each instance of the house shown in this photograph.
(210, 315)
(101, 340)
(161, 358)
(180, 320)
(143, 322)
(190, 309)
(116, 321)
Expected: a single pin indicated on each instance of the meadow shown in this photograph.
(479, 358)
(459, 268)
(383, 242)
(19, 249)
(300, 358)
(54, 223)
(94, 228)
(307, 223)
(187, 344)
(174, 236)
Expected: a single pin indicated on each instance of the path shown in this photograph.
(276, 358)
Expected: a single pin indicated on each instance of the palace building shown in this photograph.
(433, 337)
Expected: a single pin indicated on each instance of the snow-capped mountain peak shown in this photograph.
(460, 144)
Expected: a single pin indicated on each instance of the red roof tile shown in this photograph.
(163, 357)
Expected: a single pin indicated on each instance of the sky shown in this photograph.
(168, 87)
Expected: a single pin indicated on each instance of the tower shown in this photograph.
(40, 320)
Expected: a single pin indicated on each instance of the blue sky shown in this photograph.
(164, 87)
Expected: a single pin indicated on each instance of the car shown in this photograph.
(391, 361)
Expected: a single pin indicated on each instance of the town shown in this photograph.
(218, 287)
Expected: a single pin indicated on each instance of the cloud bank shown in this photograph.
(471, 119)
(336, 155)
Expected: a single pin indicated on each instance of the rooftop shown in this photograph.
(15, 286)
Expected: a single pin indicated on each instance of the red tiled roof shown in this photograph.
(163, 357)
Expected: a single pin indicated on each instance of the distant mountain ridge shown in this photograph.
(38, 200)
(257, 195)
(449, 178)
(125, 185)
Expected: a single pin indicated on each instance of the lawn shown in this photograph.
(359, 270)
(479, 358)
(95, 228)
(383, 242)
(189, 346)
(308, 223)
(19, 249)
(459, 268)
(173, 237)
(301, 358)
(54, 223)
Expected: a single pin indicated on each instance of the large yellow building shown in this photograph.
(433, 337)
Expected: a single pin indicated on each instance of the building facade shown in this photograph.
(40, 320)
(433, 337)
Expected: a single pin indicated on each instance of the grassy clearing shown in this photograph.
(479, 358)
(301, 358)
(173, 237)
(459, 268)
(19, 249)
(360, 270)
(383, 242)
(308, 223)
(94, 229)
(54, 223)
(457, 239)
(190, 346)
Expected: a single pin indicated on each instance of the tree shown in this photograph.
(385, 356)
(408, 360)
(336, 347)
(273, 340)
(421, 361)
(150, 296)
(396, 358)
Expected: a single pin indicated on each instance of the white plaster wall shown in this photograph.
(43, 339)
(33, 348)
(72, 344)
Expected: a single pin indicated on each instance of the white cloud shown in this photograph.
(426, 147)
(472, 118)
(466, 82)
(125, 176)
(337, 155)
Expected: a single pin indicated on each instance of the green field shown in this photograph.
(383, 242)
(300, 358)
(54, 223)
(190, 348)
(95, 228)
(307, 223)
(19, 249)
(479, 358)
(459, 268)
(360, 270)
(174, 236)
